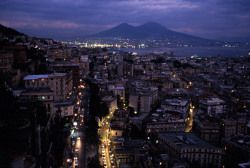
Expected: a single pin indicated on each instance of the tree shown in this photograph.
(94, 162)
(91, 132)
(136, 133)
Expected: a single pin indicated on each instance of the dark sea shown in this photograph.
(195, 51)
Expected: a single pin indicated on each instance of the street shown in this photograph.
(104, 150)
(189, 120)
(78, 135)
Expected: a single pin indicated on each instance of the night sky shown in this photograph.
(213, 19)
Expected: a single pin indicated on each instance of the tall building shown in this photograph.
(177, 106)
(228, 127)
(231, 127)
(84, 63)
(237, 150)
(128, 69)
(60, 53)
(111, 103)
(209, 131)
(118, 90)
(157, 126)
(19, 54)
(44, 95)
(6, 61)
(142, 96)
(189, 147)
(65, 67)
(59, 83)
(53, 90)
(119, 69)
(133, 101)
(145, 102)
(213, 106)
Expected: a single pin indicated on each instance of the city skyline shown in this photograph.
(75, 104)
(223, 20)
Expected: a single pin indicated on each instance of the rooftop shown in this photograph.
(214, 101)
(65, 103)
(184, 139)
(34, 77)
(117, 88)
(175, 102)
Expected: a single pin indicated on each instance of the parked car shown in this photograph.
(76, 163)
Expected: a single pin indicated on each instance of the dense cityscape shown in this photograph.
(92, 106)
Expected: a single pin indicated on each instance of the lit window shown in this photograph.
(42, 79)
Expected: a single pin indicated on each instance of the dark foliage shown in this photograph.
(8, 31)
(94, 162)
(97, 108)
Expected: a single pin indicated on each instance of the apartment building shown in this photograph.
(176, 105)
(213, 106)
(44, 95)
(6, 61)
(189, 147)
(155, 126)
(52, 90)
(207, 130)
(59, 83)
(111, 102)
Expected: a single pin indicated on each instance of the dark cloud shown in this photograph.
(210, 19)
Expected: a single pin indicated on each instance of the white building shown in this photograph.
(52, 90)
(118, 90)
(60, 83)
(213, 106)
(176, 105)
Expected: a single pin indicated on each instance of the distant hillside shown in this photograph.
(8, 31)
(147, 31)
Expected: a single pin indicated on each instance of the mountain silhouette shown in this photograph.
(147, 31)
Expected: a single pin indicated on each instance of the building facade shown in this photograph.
(191, 148)
(6, 61)
(59, 83)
